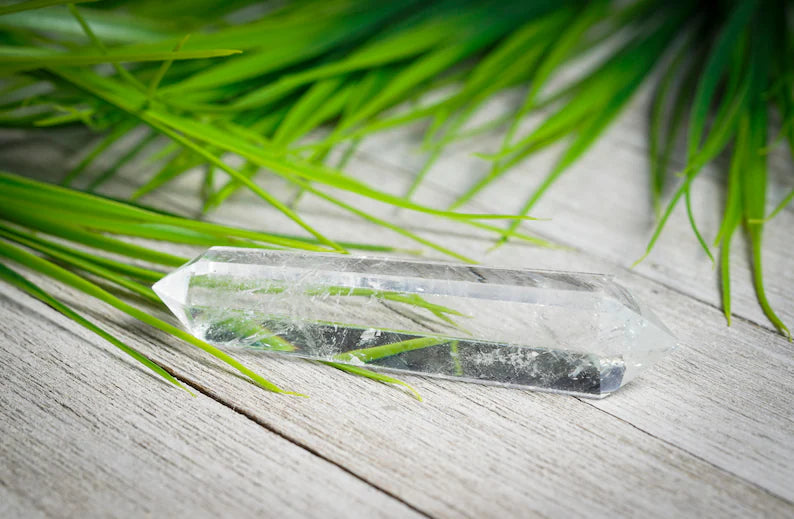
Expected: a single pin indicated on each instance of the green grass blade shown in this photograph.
(251, 185)
(733, 214)
(109, 25)
(49, 269)
(782, 205)
(229, 188)
(100, 46)
(125, 159)
(714, 67)
(146, 275)
(180, 164)
(582, 143)
(383, 223)
(380, 377)
(161, 127)
(82, 264)
(387, 350)
(21, 62)
(36, 4)
(91, 239)
(118, 132)
(161, 72)
(660, 106)
(98, 209)
(15, 279)
(754, 183)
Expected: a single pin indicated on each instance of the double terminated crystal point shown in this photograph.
(552, 331)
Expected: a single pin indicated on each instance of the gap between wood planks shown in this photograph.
(657, 438)
(42, 309)
(652, 282)
(657, 283)
(263, 423)
(690, 453)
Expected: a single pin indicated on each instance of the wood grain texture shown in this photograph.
(709, 431)
(86, 433)
(471, 451)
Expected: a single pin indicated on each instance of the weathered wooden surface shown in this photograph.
(709, 431)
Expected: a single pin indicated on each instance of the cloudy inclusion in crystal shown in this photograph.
(552, 331)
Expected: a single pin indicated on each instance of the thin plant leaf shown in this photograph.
(380, 377)
(13, 278)
(49, 269)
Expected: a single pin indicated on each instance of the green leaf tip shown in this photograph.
(380, 377)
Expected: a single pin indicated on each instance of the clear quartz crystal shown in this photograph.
(551, 331)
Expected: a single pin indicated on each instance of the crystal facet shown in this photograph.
(552, 331)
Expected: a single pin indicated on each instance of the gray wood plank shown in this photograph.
(13, 504)
(86, 433)
(687, 452)
(687, 404)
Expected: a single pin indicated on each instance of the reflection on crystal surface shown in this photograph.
(553, 331)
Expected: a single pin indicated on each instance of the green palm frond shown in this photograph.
(280, 88)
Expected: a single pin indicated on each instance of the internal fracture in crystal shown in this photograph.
(552, 331)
